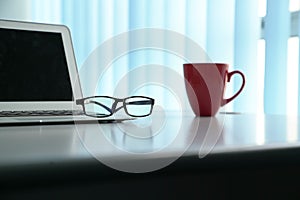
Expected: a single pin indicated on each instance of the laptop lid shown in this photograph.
(37, 67)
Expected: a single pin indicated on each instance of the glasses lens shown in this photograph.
(139, 106)
(98, 106)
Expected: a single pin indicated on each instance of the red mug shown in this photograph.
(205, 85)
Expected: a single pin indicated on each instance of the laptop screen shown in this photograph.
(33, 67)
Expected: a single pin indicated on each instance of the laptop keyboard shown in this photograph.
(40, 113)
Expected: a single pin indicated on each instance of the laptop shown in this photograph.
(39, 81)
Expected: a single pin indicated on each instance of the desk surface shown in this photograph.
(155, 137)
(157, 143)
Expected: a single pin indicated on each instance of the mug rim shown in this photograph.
(217, 64)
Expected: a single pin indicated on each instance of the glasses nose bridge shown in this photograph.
(115, 104)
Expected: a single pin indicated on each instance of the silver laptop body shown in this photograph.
(38, 74)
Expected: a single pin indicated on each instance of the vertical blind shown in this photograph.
(230, 31)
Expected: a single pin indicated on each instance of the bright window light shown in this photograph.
(294, 5)
(260, 120)
(261, 46)
(262, 8)
(292, 76)
(292, 129)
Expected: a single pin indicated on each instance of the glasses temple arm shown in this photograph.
(100, 104)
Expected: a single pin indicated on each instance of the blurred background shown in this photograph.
(258, 37)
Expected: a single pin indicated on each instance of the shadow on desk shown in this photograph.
(225, 176)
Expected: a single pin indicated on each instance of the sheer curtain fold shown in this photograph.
(276, 34)
(246, 35)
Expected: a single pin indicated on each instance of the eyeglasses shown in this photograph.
(105, 106)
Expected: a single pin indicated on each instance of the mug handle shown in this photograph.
(229, 75)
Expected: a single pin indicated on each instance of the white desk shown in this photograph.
(170, 144)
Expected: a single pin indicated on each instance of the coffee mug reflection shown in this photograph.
(208, 134)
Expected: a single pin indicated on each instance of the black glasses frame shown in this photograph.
(114, 109)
